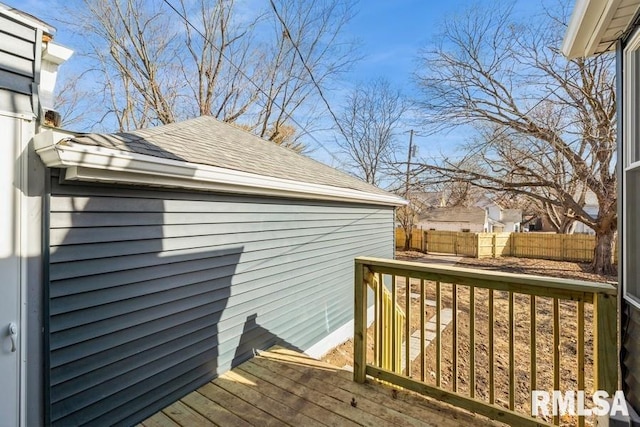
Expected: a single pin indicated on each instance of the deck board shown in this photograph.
(285, 387)
(367, 411)
(405, 403)
(159, 420)
(291, 409)
(185, 416)
(251, 413)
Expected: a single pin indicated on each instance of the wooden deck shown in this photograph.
(283, 387)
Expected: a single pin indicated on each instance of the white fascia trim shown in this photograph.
(337, 337)
(585, 20)
(56, 53)
(7, 11)
(98, 164)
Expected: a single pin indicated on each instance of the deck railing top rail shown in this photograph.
(577, 290)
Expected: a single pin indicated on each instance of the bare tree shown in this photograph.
(367, 124)
(221, 62)
(408, 215)
(285, 136)
(547, 125)
(157, 64)
(307, 53)
(70, 102)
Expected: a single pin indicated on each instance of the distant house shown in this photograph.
(472, 219)
(538, 222)
(500, 219)
(137, 266)
(591, 207)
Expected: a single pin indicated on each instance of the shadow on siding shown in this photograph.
(132, 324)
(254, 338)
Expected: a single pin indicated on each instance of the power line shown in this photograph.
(239, 70)
(306, 67)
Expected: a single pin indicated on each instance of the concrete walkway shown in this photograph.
(429, 335)
(445, 315)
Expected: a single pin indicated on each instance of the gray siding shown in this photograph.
(17, 65)
(630, 362)
(153, 293)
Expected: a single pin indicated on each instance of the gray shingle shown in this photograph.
(208, 141)
(455, 214)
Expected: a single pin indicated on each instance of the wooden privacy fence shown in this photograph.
(417, 239)
(561, 247)
(491, 338)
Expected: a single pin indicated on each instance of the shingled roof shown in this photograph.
(470, 215)
(208, 141)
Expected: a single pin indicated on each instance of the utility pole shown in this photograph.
(406, 189)
(408, 228)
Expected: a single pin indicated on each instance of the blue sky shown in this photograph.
(390, 32)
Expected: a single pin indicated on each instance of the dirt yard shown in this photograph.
(343, 355)
(540, 267)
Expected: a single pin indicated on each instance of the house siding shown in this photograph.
(18, 58)
(627, 224)
(154, 292)
(629, 360)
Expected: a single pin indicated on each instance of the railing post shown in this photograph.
(424, 241)
(494, 242)
(605, 343)
(360, 324)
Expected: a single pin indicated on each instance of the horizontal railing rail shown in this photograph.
(492, 338)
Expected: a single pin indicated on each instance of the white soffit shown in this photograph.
(98, 164)
(595, 26)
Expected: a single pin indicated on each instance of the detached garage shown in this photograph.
(176, 252)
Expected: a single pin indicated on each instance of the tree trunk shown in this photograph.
(603, 252)
(407, 239)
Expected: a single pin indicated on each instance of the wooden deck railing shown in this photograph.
(388, 354)
(492, 337)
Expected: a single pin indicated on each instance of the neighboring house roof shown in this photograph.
(427, 199)
(204, 153)
(455, 214)
(595, 26)
(511, 215)
(484, 202)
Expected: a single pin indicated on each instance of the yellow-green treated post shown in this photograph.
(605, 343)
(360, 324)
(494, 243)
